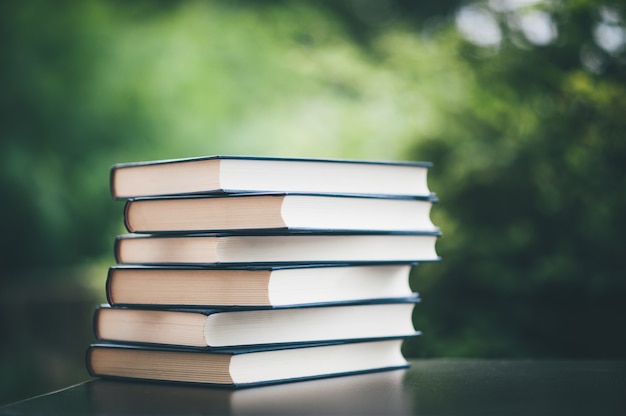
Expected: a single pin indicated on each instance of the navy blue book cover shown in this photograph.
(210, 309)
(276, 159)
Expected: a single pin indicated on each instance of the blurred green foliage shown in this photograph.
(88, 84)
(531, 174)
(520, 105)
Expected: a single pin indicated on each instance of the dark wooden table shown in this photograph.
(429, 387)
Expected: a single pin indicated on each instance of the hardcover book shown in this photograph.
(232, 212)
(261, 174)
(244, 367)
(255, 286)
(302, 248)
(230, 327)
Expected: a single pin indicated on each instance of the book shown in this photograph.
(257, 174)
(230, 327)
(291, 248)
(254, 286)
(244, 367)
(228, 212)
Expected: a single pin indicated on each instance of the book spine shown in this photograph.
(112, 182)
(107, 286)
(95, 323)
(116, 249)
(88, 365)
(125, 216)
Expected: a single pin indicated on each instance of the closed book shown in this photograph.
(272, 174)
(278, 211)
(230, 327)
(255, 286)
(244, 367)
(292, 248)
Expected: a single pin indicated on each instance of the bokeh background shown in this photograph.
(520, 104)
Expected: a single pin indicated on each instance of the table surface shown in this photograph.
(429, 387)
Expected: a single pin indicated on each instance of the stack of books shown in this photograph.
(239, 271)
